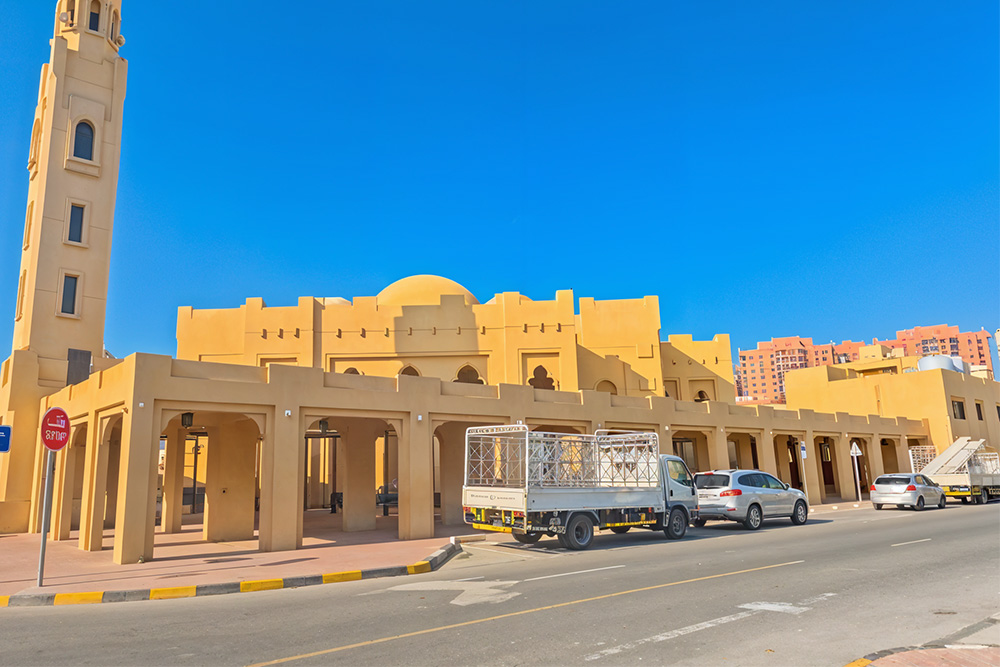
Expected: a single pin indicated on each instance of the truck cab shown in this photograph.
(679, 487)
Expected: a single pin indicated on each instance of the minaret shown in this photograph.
(73, 172)
(63, 283)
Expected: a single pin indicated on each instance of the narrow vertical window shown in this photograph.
(95, 16)
(83, 143)
(76, 223)
(20, 295)
(69, 295)
(27, 225)
(69, 10)
(114, 25)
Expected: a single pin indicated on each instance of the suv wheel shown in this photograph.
(800, 514)
(754, 518)
(920, 504)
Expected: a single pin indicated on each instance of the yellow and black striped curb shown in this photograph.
(433, 562)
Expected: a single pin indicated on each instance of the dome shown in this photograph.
(422, 291)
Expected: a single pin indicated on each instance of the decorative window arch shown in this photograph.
(83, 141)
(409, 370)
(468, 375)
(351, 371)
(541, 380)
(114, 25)
(95, 16)
(701, 397)
(607, 386)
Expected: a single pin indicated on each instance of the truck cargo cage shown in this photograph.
(513, 456)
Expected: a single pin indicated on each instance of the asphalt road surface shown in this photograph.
(844, 585)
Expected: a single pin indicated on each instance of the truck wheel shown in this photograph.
(620, 530)
(527, 538)
(579, 533)
(698, 523)
(677, 524)
(754, 518)
(562, 540)
(965, 500)
(920, 504)
(800, 514)
(984, 496)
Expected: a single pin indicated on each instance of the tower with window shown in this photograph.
(73, 172)
(72, 166)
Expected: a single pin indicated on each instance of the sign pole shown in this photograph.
(50, 467)
(55, 436)
(857, 477)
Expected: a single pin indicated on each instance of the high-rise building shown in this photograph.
(760, 372)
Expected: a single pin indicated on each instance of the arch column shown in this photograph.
(416, 477)
(135, 518)
(95, 482)
(765, 453)
(718, 448)
(811, 469)
(845, 467)
(358, 468)
(173, 481)
(452, 438)
(282, 482)
(229, 476)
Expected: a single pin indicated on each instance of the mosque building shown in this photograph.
(337, 397)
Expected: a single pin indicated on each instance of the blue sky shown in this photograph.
(822, 169)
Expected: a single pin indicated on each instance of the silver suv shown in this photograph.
(747, 496)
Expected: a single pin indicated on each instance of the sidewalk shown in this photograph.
(185, 560)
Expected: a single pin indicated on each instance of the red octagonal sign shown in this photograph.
(55, 429)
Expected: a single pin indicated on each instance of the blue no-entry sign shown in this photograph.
(4, 439)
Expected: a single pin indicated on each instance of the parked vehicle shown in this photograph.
(533, 484)
(906, 490)
(747, 496)
(965, 470)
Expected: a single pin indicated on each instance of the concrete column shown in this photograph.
(718, 449)
(95, 484)
(173, 481)
(230, 488)
(452, 438)
(135, 519)
(62, 503)
(281, 484)
(358, 468)
(812, 481)
(845, 467)
(416, 478)
(875, 465)
(765, 453)
(903, 455)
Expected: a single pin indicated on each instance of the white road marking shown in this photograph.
(752, 608)
(470, 578)
(566, 574)
(903, 544)
(783, 607)
(614, 650)
(507, 552)
(472, 592)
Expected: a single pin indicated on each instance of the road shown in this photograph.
(846, 584)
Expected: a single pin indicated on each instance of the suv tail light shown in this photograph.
(732, 492)
(911, 488)
(873, 488)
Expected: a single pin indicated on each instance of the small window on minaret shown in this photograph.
(69, 295)
(83, 143)
(95, 16)
(76, 224)
(69, 10)
(114, 25)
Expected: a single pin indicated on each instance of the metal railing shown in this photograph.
(513, 456)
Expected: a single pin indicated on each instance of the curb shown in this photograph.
(872, 657)
(431, 563)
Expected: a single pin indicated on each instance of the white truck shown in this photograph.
(964, 470)
(533, 484)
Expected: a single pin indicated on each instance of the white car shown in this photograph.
(906, 490)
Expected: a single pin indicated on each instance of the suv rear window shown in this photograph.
(711, 481)
(892, 480)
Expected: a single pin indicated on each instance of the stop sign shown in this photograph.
(55, 429)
